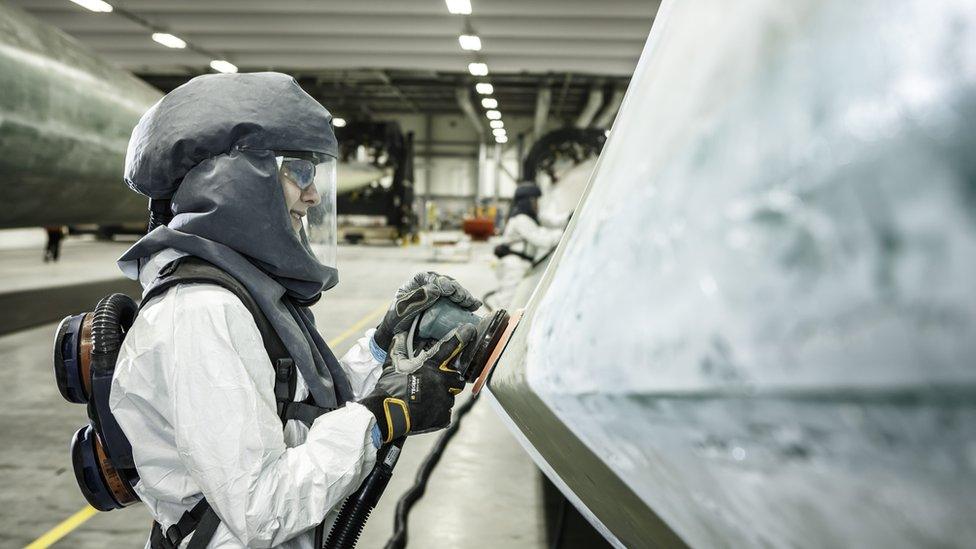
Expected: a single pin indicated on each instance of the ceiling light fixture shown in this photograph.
(484, 88)
(223, 66)
(495, 124)
(168, 40)
(493, 115)
(459, 7)
(469, 42)
(478, 69)
(499, 132)
(501, 139)
(339, 122)
(95, 5)
(489, 103)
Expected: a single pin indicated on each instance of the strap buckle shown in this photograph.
(284, 373)
(169, 268)
(174, 536)
(283, 368)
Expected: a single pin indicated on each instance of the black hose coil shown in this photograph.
(113, 316)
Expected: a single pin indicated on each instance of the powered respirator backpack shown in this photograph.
(85, 351)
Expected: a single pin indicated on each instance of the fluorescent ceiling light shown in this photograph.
(478, 69)
(220, 65)
(493, 115)
(495, 124)
(469, 42)
(95, 5)
(501, 139)
(339, 122)
(489, 103)
(168, 40)
(459, 7)
(498, 132)
(484, 88)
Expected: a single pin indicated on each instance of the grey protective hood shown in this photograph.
(214, 114)
(208, 146)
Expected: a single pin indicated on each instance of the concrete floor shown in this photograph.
(484, 493)
(82, 260)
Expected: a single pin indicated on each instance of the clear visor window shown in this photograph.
(309, 187)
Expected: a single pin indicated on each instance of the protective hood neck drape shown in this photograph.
(523, 206)
(208, 146)
(522, 202)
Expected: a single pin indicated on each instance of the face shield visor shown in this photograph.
(308, 183)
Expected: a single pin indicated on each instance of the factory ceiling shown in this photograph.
(374, 56)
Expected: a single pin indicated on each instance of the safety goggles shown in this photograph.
(301, 168)
(315, 175)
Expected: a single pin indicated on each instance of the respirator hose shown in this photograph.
(160, 213)
(357, 507)
(111, 319)
(349, 525)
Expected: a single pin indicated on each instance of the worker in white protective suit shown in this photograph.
(527, 238)
(241, 173)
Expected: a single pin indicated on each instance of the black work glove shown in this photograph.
(416, 296)
(420, 401)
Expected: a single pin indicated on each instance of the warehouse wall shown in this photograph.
(446, 162)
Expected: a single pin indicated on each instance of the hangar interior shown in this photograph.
(725, 256)
(551, 64)
(395, 77)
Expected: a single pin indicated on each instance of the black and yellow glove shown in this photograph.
(420, 400)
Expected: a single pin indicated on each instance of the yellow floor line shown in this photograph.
(358, 326)
(66, 526)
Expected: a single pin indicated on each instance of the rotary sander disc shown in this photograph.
(496, 351)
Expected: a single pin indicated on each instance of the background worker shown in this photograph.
(525, 239)
(52, 249)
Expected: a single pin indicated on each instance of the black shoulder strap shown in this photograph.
(504, 249)
(201, 520)
(193, 270)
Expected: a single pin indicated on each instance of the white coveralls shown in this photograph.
(194, 393)
(523, 235)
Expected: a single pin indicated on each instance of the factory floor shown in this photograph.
(484, 493)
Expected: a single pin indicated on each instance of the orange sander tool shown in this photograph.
(493, 332)
(475, 367)
(497, 347)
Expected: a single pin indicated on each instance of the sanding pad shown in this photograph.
(496, 353)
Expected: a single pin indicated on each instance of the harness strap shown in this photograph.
(193, 270)
(201, 520)
(503, 250)
(306, 412)
(189, 270)
(156, 538)
(176, 533)
(205, 530)
(285, 385)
